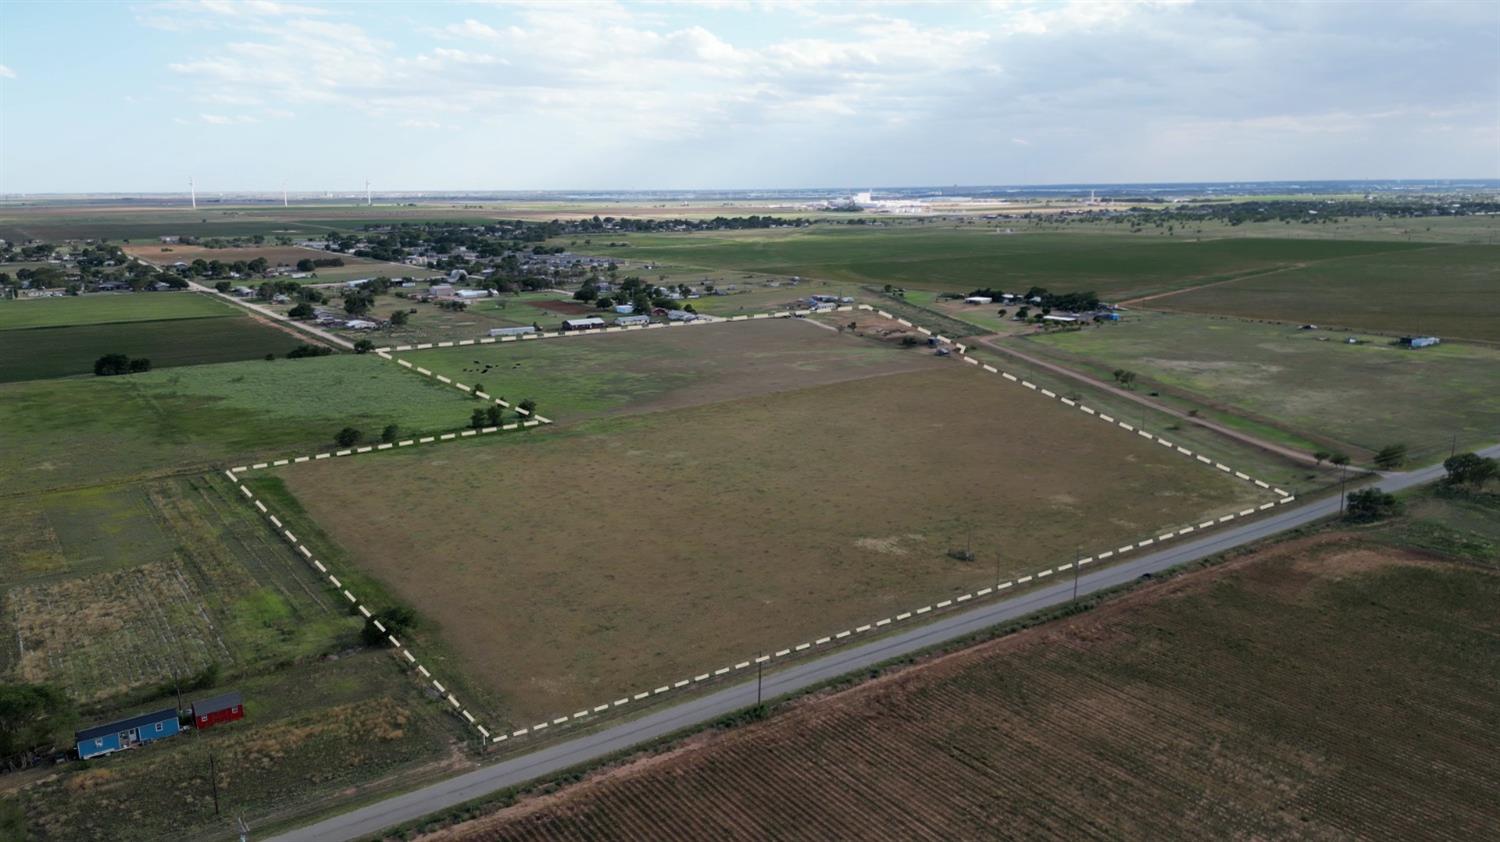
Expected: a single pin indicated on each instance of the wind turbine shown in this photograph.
(368, 201)
(193, 192)
(283, 193)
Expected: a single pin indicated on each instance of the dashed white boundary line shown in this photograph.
(396, 645)
(999, 587)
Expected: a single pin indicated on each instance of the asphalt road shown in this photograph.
(697, 710)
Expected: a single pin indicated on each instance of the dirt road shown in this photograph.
(995, 344)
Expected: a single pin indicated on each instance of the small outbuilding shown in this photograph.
(630, 321)
(225, 707)
(979, 299)
(126, 733)
(590, 323)
(512, 331)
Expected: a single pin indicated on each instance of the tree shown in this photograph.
(308, 351)
(348, 437)
(478, 418)
(305, 265)
(1390, 456)
(140, 365)
(1321, 456)
(33, 717)
(494, 415)
(527, 407)
(390, 433)
(397, 621)
(1470, 469)
(1371, 504)
(400, 317)
(1340, 459)
(111, 364)
(1125, 378)
(587, 292)
(223, 286)
(301, 311)
(364, 346)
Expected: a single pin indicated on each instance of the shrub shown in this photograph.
(1371, 504)
(308, 351)
(348, 436)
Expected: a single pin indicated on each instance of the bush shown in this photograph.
(139, 365)
(397, 620)
(1371, 504)
(390, 433)
(1390, 456)
(111, 364)
(348, 437)
(301, 311)
(364, 346)
(308, 351)
(1470, 469)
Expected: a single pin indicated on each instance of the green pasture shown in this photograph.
(1452, 291)
(83, 431)
(961, 258)
(1366, 395)
(41, 353)
(106, 308)
(602, 374)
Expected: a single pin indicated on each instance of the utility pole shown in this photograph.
(1343, 474)
(1453, 448)
(213, 777)
(759, 667)
(1077, 556)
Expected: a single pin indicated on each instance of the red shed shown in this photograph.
(225, 708)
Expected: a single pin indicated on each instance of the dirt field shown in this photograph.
(1324, 690)
(571, 567)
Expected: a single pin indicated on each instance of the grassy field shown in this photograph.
(65, 433)
(1367, 395)
(959, 258)
(285, 257)
(313, 733)
(1328, 688)
(108, 308)
(1450, 291)
(710, 534)
(666, 368)
(113, 590)
(44, 353)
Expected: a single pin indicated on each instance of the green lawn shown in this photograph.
(63, 433)
(1366, 395)
(1450, 291)
(109, 307)
(961, 258)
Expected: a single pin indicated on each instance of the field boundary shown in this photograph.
(389, 354)
(312, 561)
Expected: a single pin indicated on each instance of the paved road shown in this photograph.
(695, 711)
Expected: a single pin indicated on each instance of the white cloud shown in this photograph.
(6, 72)
(227, 119)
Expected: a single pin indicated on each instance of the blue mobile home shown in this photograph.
(126, 733)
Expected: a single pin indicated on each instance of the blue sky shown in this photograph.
(121, 97)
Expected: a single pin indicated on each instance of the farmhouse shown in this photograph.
(126, 733)
(627, 321)
(583, 324)
(225, 707)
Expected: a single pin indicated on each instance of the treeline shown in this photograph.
(1073, 302)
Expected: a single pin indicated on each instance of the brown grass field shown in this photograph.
(1323, 689)
(572, 567)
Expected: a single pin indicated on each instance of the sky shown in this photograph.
(138, 96)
